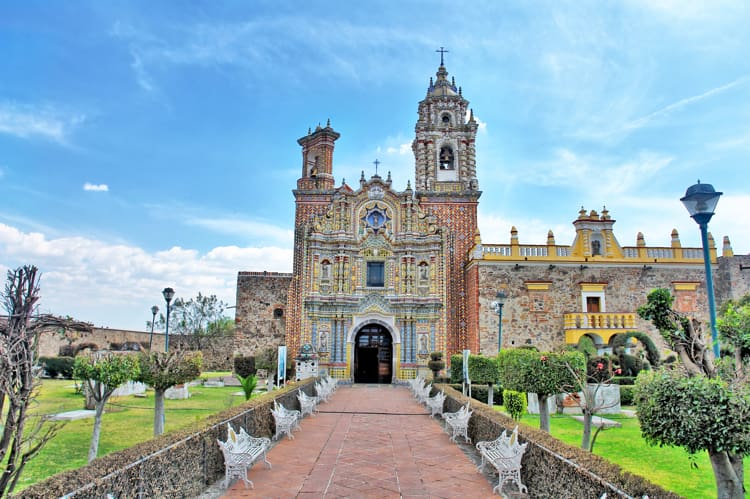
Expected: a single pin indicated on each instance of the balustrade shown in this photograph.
(616, 320)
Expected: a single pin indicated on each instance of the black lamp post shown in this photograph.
(700, 201)
(498, 306)
(168, 295)
(154, 311)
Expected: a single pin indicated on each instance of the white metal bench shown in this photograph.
(423, 393)
(286, 420)
(307, 403)
(505, 454)
(435, 403)
(458, 423)
(415, 384)
(241, 451)
(325, 388)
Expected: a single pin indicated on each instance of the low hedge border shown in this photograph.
(552, 468)
(182, 463)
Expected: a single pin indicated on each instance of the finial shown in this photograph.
(431, 84)
(453, 81)
(408, 185)
(389, 176)
(328, 123)
(471, 115)
(309, 130)
(362, 178)
(318, 127)
(442, 51)
(376, 163)
(343, 182)
(460, 91)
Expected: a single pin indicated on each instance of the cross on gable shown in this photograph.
(376, 163)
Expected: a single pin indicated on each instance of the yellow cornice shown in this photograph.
(685, 285)
(538, 285)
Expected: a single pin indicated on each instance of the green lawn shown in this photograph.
(671, 467)
(127, 421)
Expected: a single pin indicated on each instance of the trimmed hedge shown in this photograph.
(182, 463)
(54, 366)
(481, 393)
(627, 395)
(552, 468)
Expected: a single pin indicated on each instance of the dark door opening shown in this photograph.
(373, 355)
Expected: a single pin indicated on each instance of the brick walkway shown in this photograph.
(367, 441)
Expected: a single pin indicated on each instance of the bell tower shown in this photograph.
(444, 146)
(317, 158)
(447, 188)
(314, 192)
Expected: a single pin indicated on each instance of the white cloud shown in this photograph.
(401, 150)
(244, 228)
(116, 284)
(29, 122)
(600, 175)
(95, 187)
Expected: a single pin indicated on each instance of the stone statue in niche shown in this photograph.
(423, 343)
(596, 248)
(323, 342)
(325, 270)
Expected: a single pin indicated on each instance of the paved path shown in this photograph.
(367, 441)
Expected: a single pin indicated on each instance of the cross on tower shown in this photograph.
(376, 163)
(442, 51)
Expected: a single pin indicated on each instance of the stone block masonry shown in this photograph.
(260, 316)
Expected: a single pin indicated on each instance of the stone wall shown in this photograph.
(551, 468)
(182, 463)
(217, 356)
(535, 317)
(732, 279)
(260, 316)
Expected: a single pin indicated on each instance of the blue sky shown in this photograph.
(152, 144)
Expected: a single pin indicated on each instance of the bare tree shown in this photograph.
(585, 390)
(23, 434)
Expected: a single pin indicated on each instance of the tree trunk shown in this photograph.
(728, 484)
(543, 411)
(490, 396)
(588, 416)
(94, 447)
(158, 412)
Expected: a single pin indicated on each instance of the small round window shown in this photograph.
(446, 119)
(278, 313)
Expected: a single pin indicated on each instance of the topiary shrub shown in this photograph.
(436, 363)
(58, 366)
(515, 403)
(620, 340)
(244, 366)
(630, 364)
(587, 347)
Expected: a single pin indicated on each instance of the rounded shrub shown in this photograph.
(515, 403)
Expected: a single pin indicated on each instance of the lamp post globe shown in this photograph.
(154, 311)
(700, 201)
(168, 294)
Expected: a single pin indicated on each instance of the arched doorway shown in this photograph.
(373, 355)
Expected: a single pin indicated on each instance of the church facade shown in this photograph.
(383, 277)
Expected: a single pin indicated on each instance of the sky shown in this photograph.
(153, 144)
